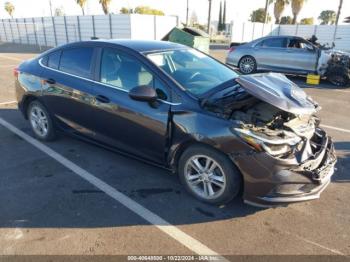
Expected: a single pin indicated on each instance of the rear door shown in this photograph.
(68, 87)
(136, 127)
(270, 53)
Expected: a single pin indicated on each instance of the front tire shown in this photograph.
(209, 175)
(339, 79)
(40, 121)
(247, 65)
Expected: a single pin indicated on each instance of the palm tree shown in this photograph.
(10, 8)
(267, 3)
(297, 5)
(81, 3)
(278, 8)
(105, 4)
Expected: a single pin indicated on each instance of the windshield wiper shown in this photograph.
(204, 98)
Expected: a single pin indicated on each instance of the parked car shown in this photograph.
(290, 55)
(180, 109)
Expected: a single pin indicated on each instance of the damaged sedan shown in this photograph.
(224, 134)
(291, 55)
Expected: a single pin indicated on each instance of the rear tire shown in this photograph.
(247, 65)
(40, 121)
(215, 182)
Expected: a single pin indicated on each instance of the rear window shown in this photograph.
(53, 59)
(275, 42)
(77, 61)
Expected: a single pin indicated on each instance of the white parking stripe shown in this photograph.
(8, 103)
(12, 58)
(336, 128)
(166, 227)
(315, 244)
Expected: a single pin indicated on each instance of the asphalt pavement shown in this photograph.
(49, 208)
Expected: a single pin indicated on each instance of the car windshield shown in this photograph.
(195, 71)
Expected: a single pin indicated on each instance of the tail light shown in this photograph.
(15, 72)
(232, 49)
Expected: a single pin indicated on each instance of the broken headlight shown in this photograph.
(273, 146)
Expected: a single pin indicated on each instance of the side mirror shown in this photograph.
(143, 93)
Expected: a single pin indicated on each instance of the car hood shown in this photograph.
(279, 91)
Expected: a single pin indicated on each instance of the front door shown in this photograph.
(136, 127)
(303, 55)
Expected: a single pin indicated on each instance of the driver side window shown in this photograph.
(126, 72)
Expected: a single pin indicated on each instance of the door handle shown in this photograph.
(102, 99)
(50, 81)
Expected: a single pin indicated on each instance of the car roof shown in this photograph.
(143, 45)
(140, 46)
(277, 36)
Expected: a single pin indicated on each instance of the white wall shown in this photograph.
(247, 31)
(52, 31)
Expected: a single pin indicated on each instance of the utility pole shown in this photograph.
(339, 11)
(50, 7)
(187, 14)
(209, 17)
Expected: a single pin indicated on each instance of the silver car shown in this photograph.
(285, 54)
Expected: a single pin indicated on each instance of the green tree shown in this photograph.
(220, 18)
(59, 11)
(307, 21)
(81, 3)
(327, 17)
(125, 10)
(297, 5)
(146, 10)
(278, 8)
(10, 8)
(224, 17)
(258, 15)
(286, 20)
(105, 6)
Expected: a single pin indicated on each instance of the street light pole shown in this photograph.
(187, 14)
(50, 7)
(339, 11)
(209, 18)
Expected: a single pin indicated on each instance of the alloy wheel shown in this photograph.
(39, 121)
(205, 177)
(247, 65)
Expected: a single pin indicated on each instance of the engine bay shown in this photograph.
(282, 134)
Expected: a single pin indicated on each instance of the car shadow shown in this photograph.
(38, 192)
(324, 84)
(343, 165)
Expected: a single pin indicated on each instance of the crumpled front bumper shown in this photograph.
(269, 181)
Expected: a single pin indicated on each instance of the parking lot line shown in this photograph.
(336, 128)
(152, 218)
(315, 244)
(8, 103)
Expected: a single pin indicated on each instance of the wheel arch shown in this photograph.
(176, 153)
(26, 102)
